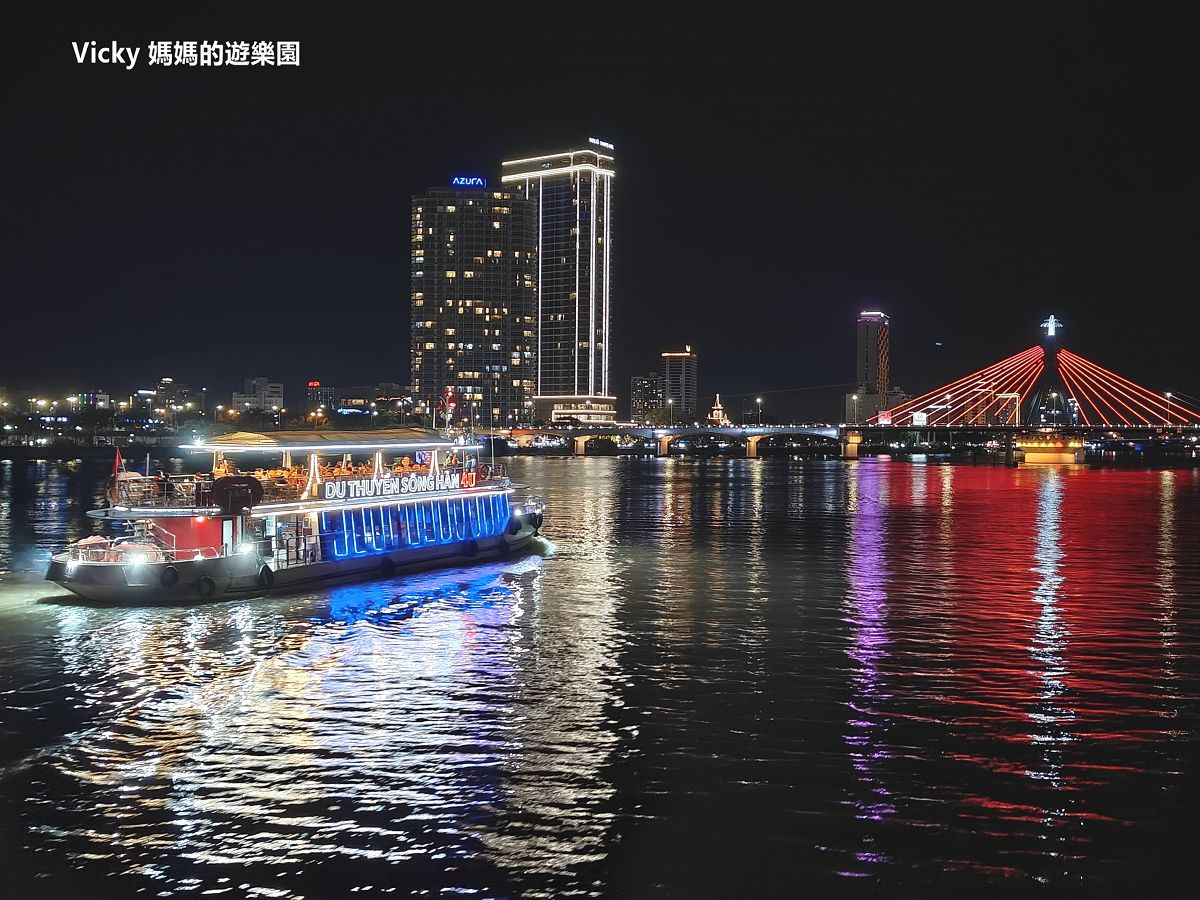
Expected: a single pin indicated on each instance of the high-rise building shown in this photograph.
(572, 195)
(172, 393)
(258, 393)
(645, 396)
(872, 372)
(474, 290)
(871, 361)
(679, 381)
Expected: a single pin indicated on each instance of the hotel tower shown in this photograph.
(572, 192)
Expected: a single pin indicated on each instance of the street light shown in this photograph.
(671, 407)
(758, 400)
(1168, 409)
(854, 397)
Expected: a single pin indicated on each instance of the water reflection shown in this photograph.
(1050, 634)
(928, 678)
(867, 617)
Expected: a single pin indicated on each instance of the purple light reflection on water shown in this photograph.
(866, 614)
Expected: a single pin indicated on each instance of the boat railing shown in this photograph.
(130, 550)
(279, 486)
(140, 490)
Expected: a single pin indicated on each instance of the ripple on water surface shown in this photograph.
(714, 675)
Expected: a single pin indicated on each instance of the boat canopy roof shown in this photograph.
(324, 441)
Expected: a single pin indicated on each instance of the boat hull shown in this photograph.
(242, 574)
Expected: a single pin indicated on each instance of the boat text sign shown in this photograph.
(390, 486)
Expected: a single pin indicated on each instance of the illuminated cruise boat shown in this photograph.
(335, 505)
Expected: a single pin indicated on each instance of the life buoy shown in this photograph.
(206, 586)
(514, 525)
(266, 578)
(483, 471)
(169, 577)
(471, 547)
(387, 568)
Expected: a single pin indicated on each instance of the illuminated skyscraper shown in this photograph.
(645, 396)
(474, 260)
(871, 366)
(679, 381)
(871, 369)
(572, 192)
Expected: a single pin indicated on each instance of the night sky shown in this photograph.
(966, 174)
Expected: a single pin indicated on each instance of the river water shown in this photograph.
(714, 678)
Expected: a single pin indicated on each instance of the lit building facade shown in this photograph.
(872, 368)
(572, 196)
(172, 393)
(317, 396)
(474, 303)
(679, 381)
(646, 396)
(258, 393)
(872, 363)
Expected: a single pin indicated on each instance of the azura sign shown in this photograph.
(391, 486)
(468, 181)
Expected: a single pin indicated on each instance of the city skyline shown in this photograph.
(259, 212)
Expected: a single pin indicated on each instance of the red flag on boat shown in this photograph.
(117, 463)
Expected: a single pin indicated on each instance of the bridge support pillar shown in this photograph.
(664, 445)
(850, 442)
(579, 444)
(752, 446)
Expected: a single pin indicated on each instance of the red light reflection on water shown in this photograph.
(1023, 626)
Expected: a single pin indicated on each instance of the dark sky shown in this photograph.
(967, 173)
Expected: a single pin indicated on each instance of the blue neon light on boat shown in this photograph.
(373, 530)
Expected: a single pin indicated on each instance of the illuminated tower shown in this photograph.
(1050, 401)
(679, 381)
(572, 193)
(473, 301)
(871, 368)
(871, 365)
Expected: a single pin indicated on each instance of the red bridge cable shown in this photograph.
(1009, 377)
(1101, 391)
(1024, 375)
(1157, 400)
(1103, 394)
(1009, 381)
(1076, 391)
(1084, 395)
(1155, 409)
(1131, 402)
(995, 369)
(1019, 383)
(1102, 397)
(1032, 380)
